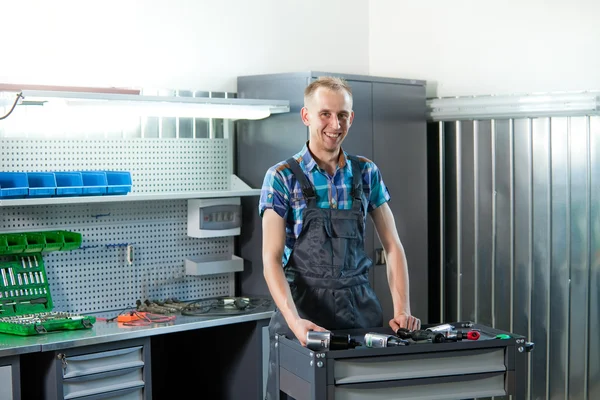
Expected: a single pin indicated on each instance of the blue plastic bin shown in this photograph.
(41, 184)
(69, 183)
(94, 183)
(119, 182)
(13, 185)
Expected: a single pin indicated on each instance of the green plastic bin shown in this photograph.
(36, 242)
(72, 240)
(3, 245)
(54, 241)
(16, 243)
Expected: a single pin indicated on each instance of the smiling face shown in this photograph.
(328, 115)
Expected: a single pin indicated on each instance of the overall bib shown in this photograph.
(328, 269)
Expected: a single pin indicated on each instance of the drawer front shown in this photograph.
(6, 382)
(95, 384)
(359, 370)
(131, 394)
(94, 363)
(465, 387)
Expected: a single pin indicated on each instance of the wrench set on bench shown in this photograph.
(25, 299)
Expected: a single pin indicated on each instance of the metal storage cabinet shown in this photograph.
(10, 373)
(389, 128)
(104, 371)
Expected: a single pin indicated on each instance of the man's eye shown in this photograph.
(325, 114)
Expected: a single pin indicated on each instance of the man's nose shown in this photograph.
(335, 122)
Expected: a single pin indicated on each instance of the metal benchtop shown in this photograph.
(104, 332)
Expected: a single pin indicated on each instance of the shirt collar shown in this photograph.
(310, 163)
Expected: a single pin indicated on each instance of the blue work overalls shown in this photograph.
(328, 269)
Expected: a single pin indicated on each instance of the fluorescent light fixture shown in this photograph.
(499, 107)
(157, 106)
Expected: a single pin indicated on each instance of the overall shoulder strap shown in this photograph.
(357, 186)
(307, 188)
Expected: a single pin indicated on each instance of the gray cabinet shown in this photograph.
(389, 128)
(119, 370)
(10, 378)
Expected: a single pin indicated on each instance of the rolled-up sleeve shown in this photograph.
(274, 194)
(379, 191)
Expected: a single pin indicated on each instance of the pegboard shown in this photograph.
(156, 165)
(97, 277)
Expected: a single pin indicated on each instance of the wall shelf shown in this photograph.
(210, 266)
(238, 189)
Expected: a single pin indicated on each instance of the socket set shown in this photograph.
(25, 300)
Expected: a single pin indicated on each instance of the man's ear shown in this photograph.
(304, 115)
(351, 119)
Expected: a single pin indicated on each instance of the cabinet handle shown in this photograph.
(63, 358)
(380, 257)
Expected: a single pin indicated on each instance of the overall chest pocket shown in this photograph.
(342, 227)
(344, 241)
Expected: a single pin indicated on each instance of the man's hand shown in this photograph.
(301, 328)
(405, 320)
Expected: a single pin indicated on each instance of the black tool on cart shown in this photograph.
(322, 341)
(379, 340)
(421, 335)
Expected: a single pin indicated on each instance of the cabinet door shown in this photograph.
(359, 141)
(259, 145)
(400, 151)
(10, 378)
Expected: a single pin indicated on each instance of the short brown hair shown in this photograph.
(330, 82)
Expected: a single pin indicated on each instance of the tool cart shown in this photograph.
(493, 365)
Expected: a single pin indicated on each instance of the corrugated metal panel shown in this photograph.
(521, 241)
(594, 311)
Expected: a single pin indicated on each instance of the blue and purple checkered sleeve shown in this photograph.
(274, 194)
(378, 191)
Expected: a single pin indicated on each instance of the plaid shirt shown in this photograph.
(282, 192)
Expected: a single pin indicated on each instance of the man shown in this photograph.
(314, 208)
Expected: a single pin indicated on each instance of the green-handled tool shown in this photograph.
(503, 336)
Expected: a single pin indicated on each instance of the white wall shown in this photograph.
(178, 44)
(468, 47)
(460, 47)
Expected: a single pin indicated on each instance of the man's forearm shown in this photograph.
(397, 274)
(280, 290)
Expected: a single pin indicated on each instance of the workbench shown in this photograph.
(205, 354)
(422, 370)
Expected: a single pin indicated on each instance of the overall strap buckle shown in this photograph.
(307, 188)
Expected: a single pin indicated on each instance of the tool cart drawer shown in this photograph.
(423, 365)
